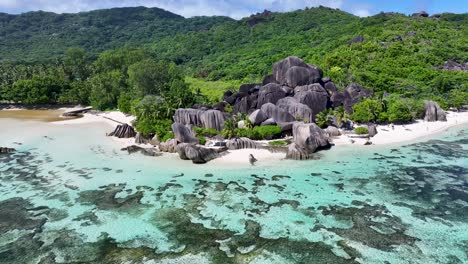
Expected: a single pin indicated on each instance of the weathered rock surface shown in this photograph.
(353, 94)
(200, 118)
(295, 108)
(270, 93)
(434, 112)
(455, 66)
(268, 79)
(420, 14)
(293, 71)
(278, 115)
(257, 117)
(372, 130)
(123, 131)
(140, 139)
(333, 131)
(183, 134)
(307, 139)
(197, 154)
(4, 150)
(268, 122)
(145, 151)
(241, 143)
(357, 39)
(314, 96)
(168, 146)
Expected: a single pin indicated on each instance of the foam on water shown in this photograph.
(69, 194)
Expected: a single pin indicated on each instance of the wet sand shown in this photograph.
(36, 115)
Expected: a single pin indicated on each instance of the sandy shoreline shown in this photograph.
(418, 130)
(386, 135)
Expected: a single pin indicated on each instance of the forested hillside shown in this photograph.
(45, 37)
(118, 57)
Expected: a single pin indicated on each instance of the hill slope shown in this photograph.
(42, 36)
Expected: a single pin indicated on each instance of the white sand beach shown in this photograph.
(386, 135)
(403, 133)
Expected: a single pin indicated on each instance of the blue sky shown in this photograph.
(238, 8)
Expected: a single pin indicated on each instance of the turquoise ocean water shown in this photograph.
(69, 195)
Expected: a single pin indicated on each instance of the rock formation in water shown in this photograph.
(434, 112)
(4, 150)
(123, 131)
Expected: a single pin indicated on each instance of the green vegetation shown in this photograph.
(149, 62)
(259, 132)
(361, 131)
(278, 143)
(206, 132)
(212, 90)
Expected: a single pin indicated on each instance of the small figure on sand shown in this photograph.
(252, 159)
(393, 126)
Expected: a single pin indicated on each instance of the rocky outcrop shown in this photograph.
(270, 93)
(333, 131)
(293, 71)
(123, 131)
(268, 122)
(183, 134)
(268, 79)
(197, 154)
(372, 130)
(257, 117)
(4, 150)
(420, 14)
(314, 96)
(152, 152)
(357, 39)
(308, 138)
(140, 139)
(455, 66)
(168, 146)
(434, 112)
(351, 95)
(298, 110)
(200, 118)
(213, 119)
(278, 115)
(241, 143)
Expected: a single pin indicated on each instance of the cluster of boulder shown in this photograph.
(123, 131)
(291, 97)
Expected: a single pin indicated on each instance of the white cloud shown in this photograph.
(187, 8)
(361, 12)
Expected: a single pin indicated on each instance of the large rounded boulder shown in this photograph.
(295, 108)
(293, 71)
(314, 96)
(308, 138)
(270, 93)
(277, 114)
(183, 134)
(257, 117)
(434, 112)
(197, 154)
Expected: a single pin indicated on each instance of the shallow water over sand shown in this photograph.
(70, 195)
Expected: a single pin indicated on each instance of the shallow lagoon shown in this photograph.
(70, 195)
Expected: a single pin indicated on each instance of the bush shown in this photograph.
(367, 111)
(202, 140)
(267, 132)
(206, 132)
(398, 112)
(167, 136)
(125, 103)
(361, 131)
